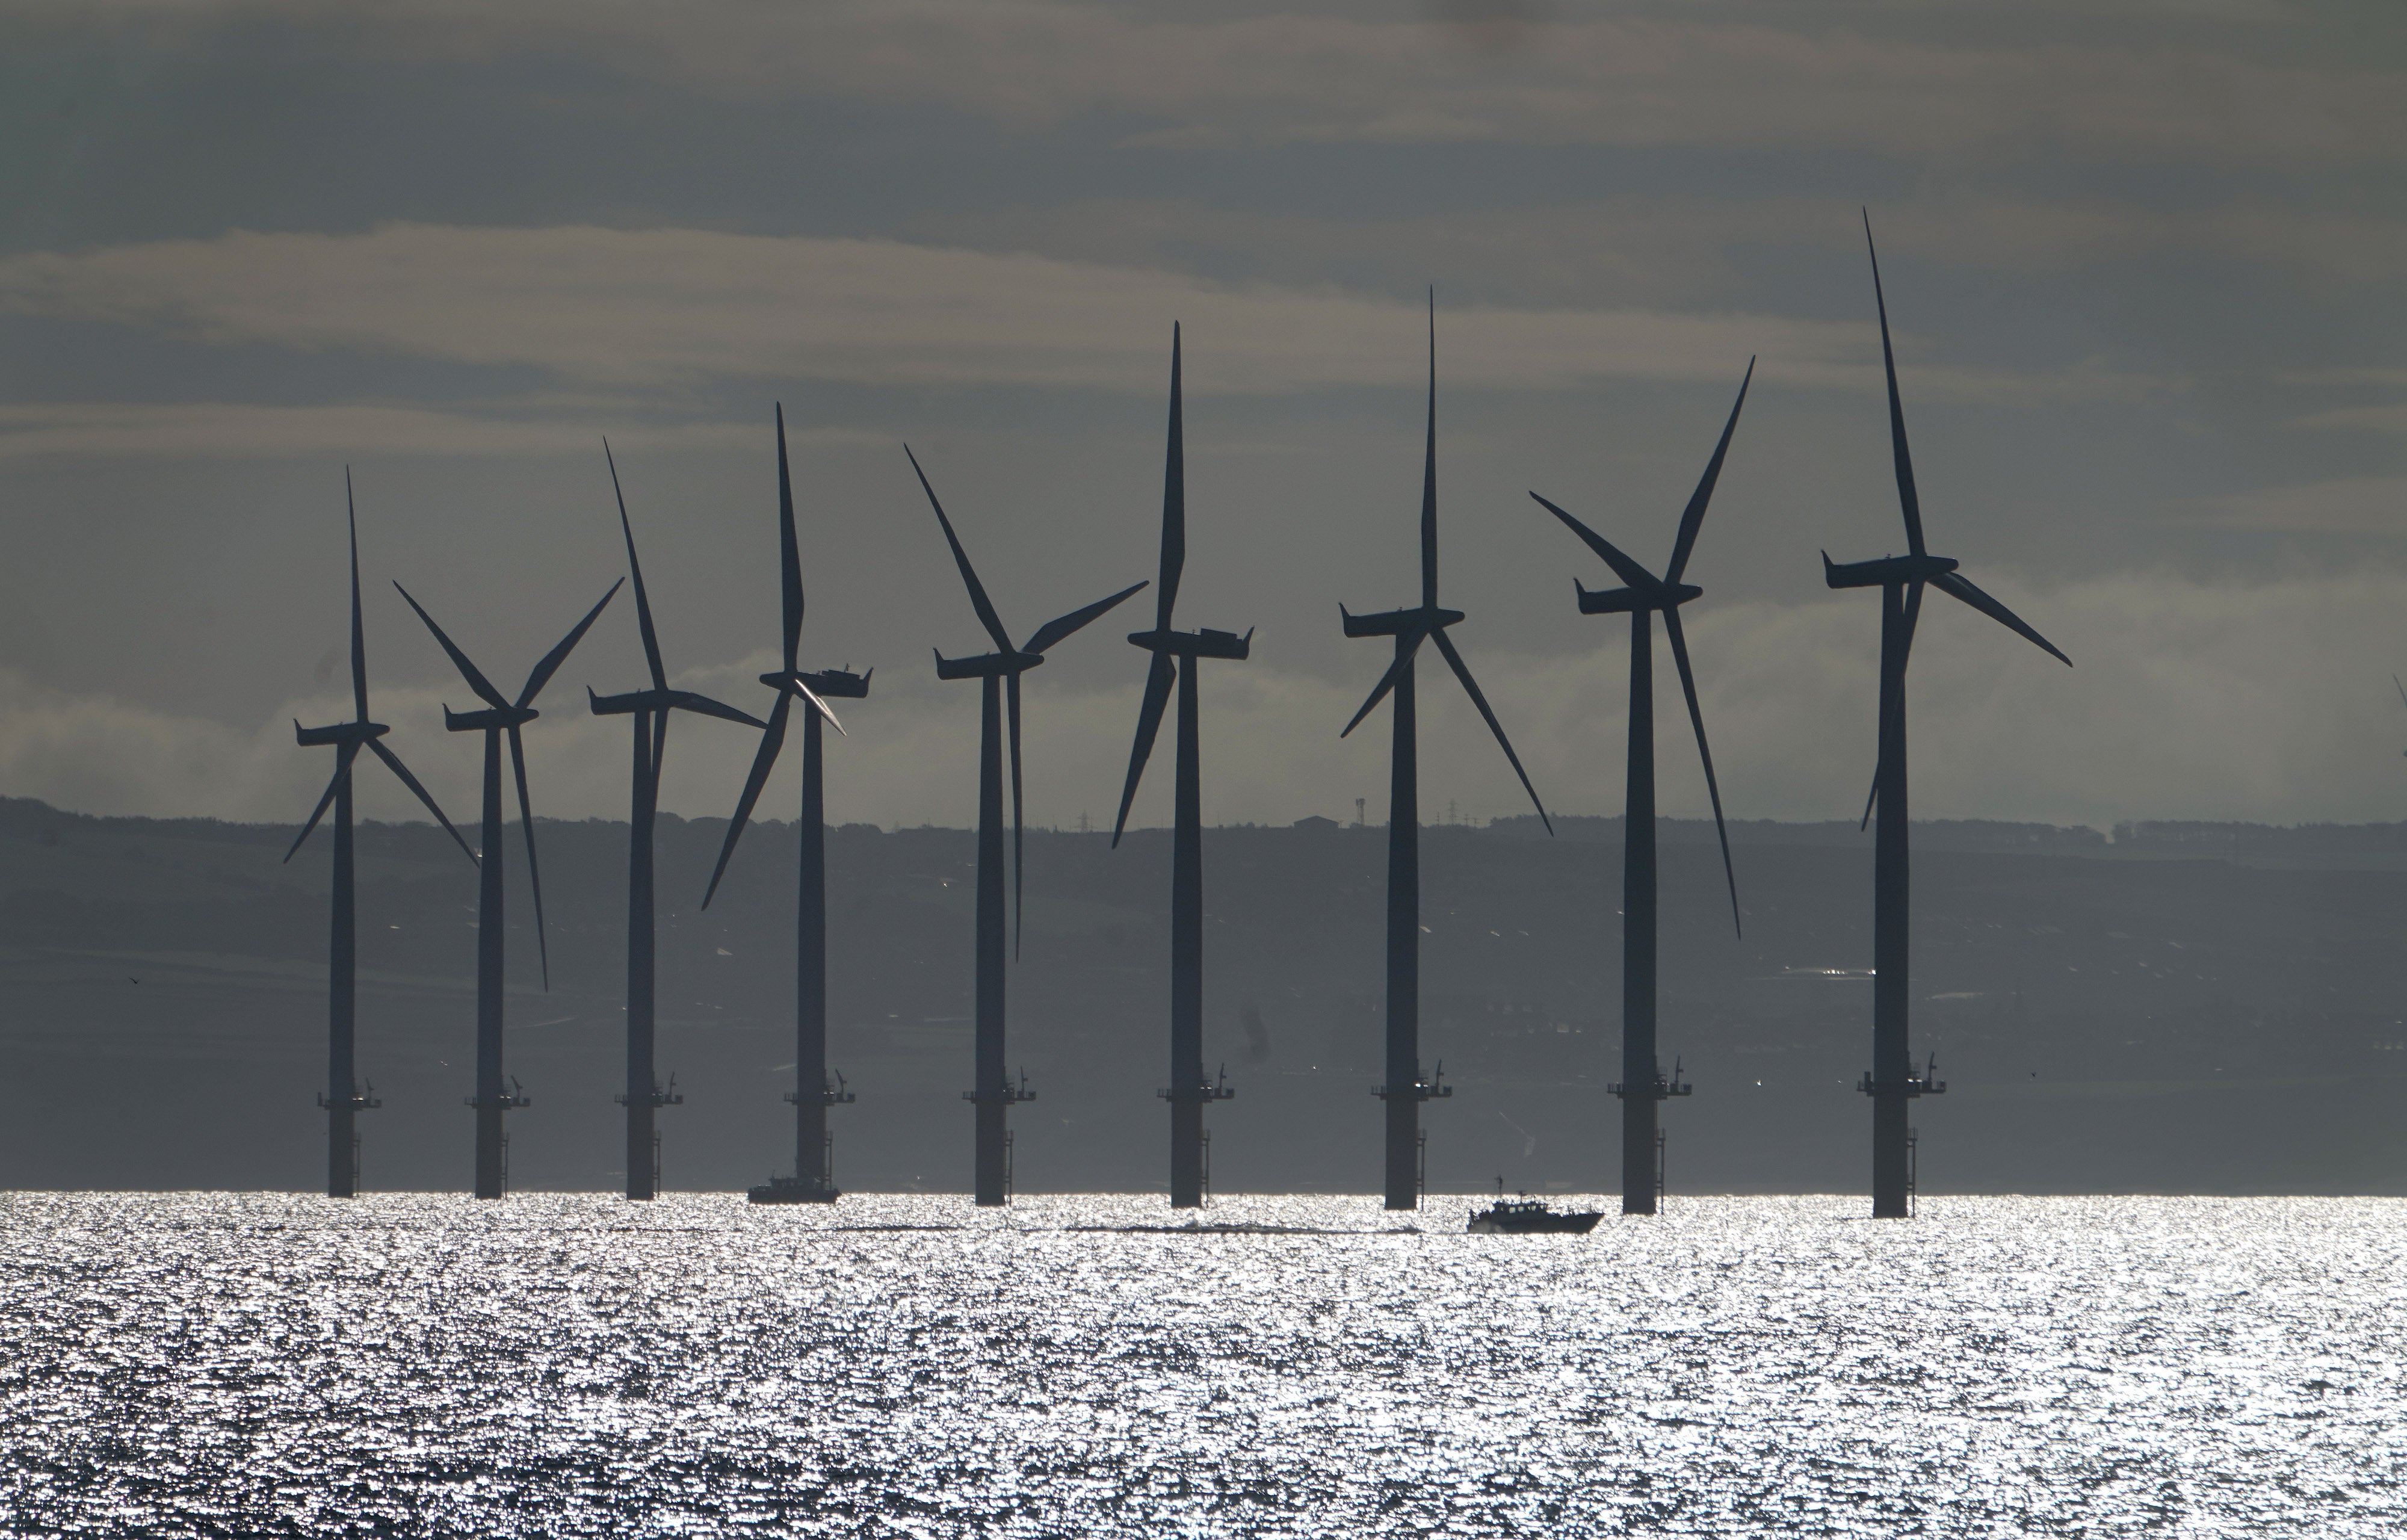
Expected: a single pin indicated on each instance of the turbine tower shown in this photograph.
(343, 1098)
(1644, 1085)
(813, 1092)
(1403, 1089)
(1190, 1089)
(1891, 1081)
(999, 673)
(499, 717)
(650, 708)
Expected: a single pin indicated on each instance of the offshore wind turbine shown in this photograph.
(1190, 1089)
(1403, 1089)
(998, 672)
(1644, 1085)
(343, 1098)
(649, 709)
(501, 717)
(1891, 1081)
(813, 1094)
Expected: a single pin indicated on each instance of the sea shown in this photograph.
(197, 1363)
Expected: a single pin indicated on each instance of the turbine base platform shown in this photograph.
(1665, 1088)
(1911, 1086)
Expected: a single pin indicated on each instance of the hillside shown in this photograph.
(2170, 1008)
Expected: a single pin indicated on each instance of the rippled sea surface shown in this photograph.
(257, 1365)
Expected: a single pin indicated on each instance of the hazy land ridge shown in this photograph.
(2161, 1007)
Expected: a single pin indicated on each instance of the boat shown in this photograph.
(793, 1189)
(1527, 1216)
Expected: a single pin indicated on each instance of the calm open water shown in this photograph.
(406, 1364)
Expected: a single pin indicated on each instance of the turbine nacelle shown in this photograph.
(1206, 643)
(1398, 622)
(1630, 601)
(841, 683)
(664, 700)
(488, 720)
(986, 665)
(341, 732)
(1888, 569)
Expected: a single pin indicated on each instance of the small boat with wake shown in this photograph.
(1527, 1216)
(793, 1189)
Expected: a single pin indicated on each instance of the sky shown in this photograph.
(2143, 265)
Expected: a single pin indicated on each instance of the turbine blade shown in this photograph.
(535, 873)
(477, 681)
(1629, 571)
(1956, 585)
(1694, 518)
(393, 763)
(635, 570)
(343, 758)
(1387, 680)
(558, 655)
(2402, 689)
(1713, 787)
(790, 557)
(764, 761)
(1913, 624)
(978, 601)
(819, 704)
(1905, 457)
(1018, 829)
(1158, 680)
(359, 635)
(686, 700)
(1429, 471)
(1174, 498)
(1053, 631)
(1463, 672)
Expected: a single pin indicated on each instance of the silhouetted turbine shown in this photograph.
(1642, 1084)
(1189, 1087)
(343, 1098)
(651, 709)
(1404, 1090)
(813, 1092)
(1891, 1081)
(501, 717)
(999, 673)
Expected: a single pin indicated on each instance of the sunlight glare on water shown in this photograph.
(210, 1363)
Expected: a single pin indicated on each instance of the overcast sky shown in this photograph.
(2146, 263)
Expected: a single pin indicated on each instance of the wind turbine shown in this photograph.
(650, 708)
(1891, 1081)
(1644, 1085)
(501, 717)
(813, 1094)
(1190, 1089)
(999, 673)
(1404, 1090)
(342, 1099)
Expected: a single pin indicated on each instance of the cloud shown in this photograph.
(2389, 417)
(1675, 250)
(207, 430)
(2264, 701)
(2357, 504)
(667, 308)
(1899, 81)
